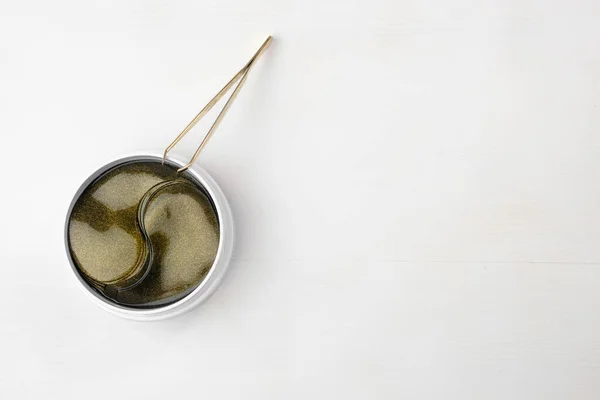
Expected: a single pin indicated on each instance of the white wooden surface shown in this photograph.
(415, 183)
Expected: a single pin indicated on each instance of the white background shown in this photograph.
(415, 184)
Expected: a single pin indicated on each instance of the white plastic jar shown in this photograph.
(214, 276)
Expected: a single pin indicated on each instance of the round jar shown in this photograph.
(195, 295)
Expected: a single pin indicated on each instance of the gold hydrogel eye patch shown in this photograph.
(143, 235)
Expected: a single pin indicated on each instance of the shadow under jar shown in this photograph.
(145, 240)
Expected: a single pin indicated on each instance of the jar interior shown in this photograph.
(143, 235)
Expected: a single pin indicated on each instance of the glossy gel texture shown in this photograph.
(143, 256)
